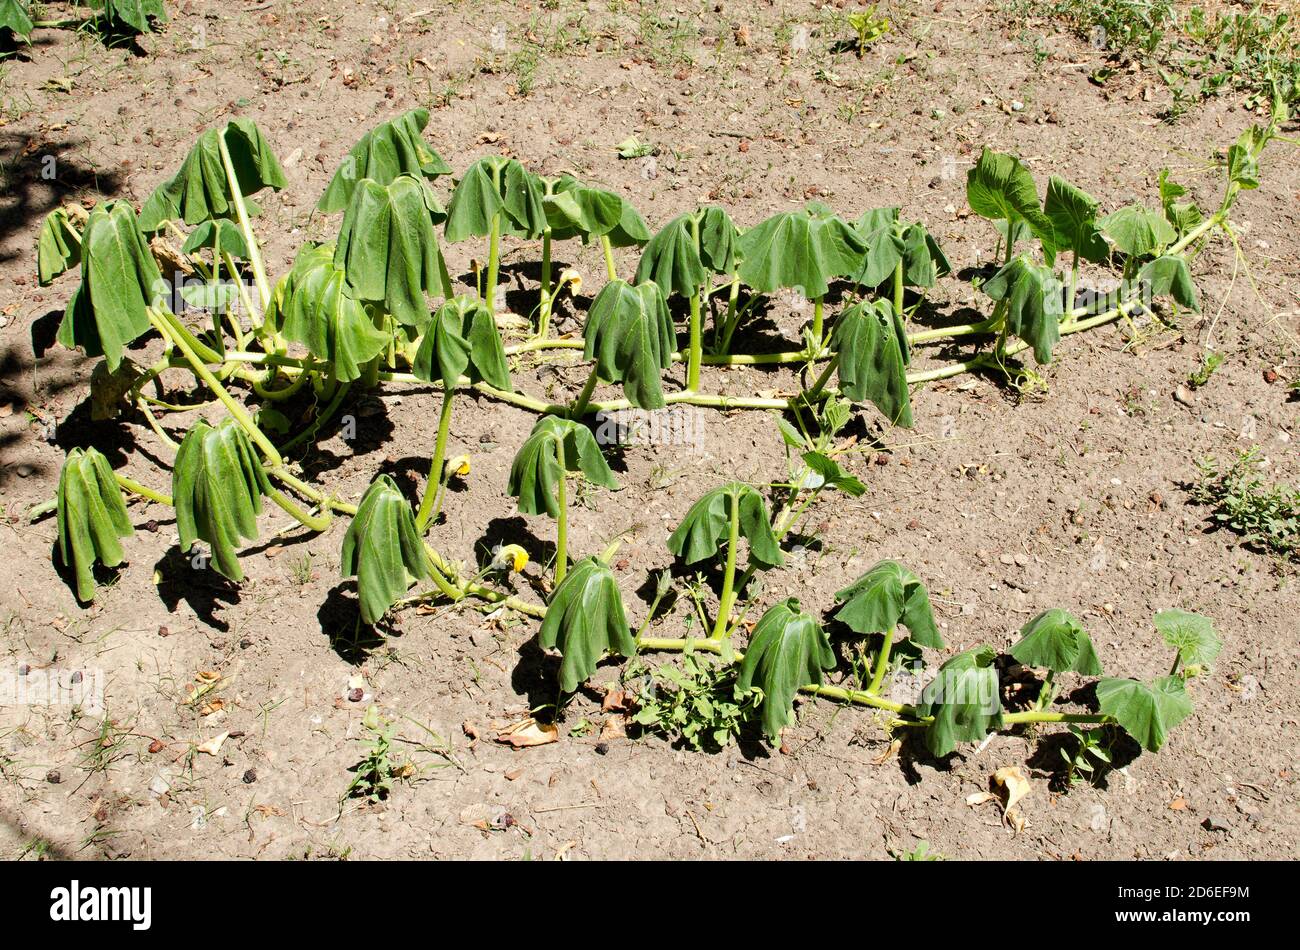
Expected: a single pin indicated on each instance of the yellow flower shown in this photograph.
(456, 466)
(569, 276)
(510, 557)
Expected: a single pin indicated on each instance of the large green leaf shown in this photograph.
(1137, 230)
(577, 210)
(314, 305)
(461, 341)
(129, 16)
(389, 249)
(964, 700)
(555, 447)
(388, 150)
(629, 333)
(1147, 713)
(200, 191)
(923, 261)
(119, 281)
(871, 343)
(217, 487)
(883, 598)
(1168, 275)
(1035, 303)
(1055, 640)
(707, 526)
(15, 19)
(58, 249)
(1183, 215)
(787, 650)
(999, 187)
(382, 549)
(1192, 635)
(1073, 216)
(219, 231)
(91, 516)
(680, 257)
(585, 620)
(495, 185)
(879, 229)
(803, 249)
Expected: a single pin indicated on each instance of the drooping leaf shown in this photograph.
(826, 471)
(219, 230)
(787, 650)
(554, 447)
(382, 549)
(91, 517)
(200, 190)
(1055, 640)
(1073, 216)
(1146, 712)
(59, 247)
(217, 487)
(1192, 635)
(629, 333)
(390, 149)
(585, 620)
(1168, 275)
(879, 229)
(1243, 166)
(999, 187)
(461, 341)
(1035, 303)
(923, 261)
(1183, 215)
(314, 305)
(389, 249)
(964, 700)
(577, 210)
(1137, 230)
(804, 249)
(120, 17)
(883, 598)
(871, 343)
(686, 250)
(495, 185)
(119, 281)
(707, 526)
(15, 19)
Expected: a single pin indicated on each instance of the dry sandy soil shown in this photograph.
(1073, 497)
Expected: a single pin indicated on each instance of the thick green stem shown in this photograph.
(695, 349)
(580, 404)
(898, 287)
(721, 624)
(882, 662)
(433, 488)
(819, 307)
(562, 523)
(544, 306)
(825, 377)
(313, 523)
(143, 491)
(241, 213)
(610, 270)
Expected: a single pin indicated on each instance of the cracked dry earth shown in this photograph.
(1074, 496)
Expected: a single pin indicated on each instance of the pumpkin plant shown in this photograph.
(585, 620)
(906, 254)
(92, 518)
(539, 475)
(629, 335)
(886, 597)
(787, 651)
(382, 549)
(389, 150)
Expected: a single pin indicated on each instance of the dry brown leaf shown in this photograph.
(213, 745)
(268, 811)
(1015, 783)
(616, 700)
(890, 751)
(614, 728)
(527, 733)
(207, 677)
(213, 707)
(1178, 804)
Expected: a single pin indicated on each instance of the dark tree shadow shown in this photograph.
(202, 588)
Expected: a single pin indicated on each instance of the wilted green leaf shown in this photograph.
(495, 185)
(871, 343)
(200, 191)
(585, 620)
(923, 261)
(800, 249)
(964, 700)
(119, 281)
(707, 526)
(629, 333)
(120, 17)
(1183, 215)
(1138, 231)
(1073, 216)
(59, 247)
(999, 187)
(879, 229)
(1147, 713)
(787, 650)
(577, 210)
(382, 549)
(390, 149)
(14, 18)
(1168, 276)
(314, 305)
(461, 341)
(828, 472)
(1192, 635)
(389, 249)
(217, 486)
(686, 250)
(91, 516)
(208, 233)
(883, 598)
(554, 447)
(1035, 303)
(1055, 640)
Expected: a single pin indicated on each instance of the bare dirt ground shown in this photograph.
(1075, 497)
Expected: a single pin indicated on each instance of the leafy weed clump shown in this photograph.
(1268, 516)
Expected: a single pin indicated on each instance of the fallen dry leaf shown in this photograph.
(213, 745)
(1178, 804)
(616, 700)
(614, 727)
(1015, 783)
(268, 811)
(890, 751)
(213, 707)
(527, 733)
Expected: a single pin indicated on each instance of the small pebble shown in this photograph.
(250, 776)
(53, 777)
(356, 694)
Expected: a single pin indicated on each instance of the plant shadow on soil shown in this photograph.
(350, 637)
(203, 589)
